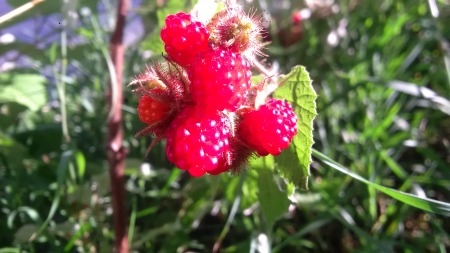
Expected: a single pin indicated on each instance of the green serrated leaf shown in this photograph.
(25, 89)
(293, 163)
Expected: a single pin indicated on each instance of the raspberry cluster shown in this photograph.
(202, 101)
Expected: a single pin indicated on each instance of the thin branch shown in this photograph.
(115, 151)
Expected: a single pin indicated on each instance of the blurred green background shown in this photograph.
(382, 73)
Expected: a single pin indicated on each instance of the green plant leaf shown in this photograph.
(249, 190)
(293, 163)
(31, 213)
(10, 113)
(272, 195)
(25, 89)
(274, 202)
(426, 204)
(24, 233)
(62, 168)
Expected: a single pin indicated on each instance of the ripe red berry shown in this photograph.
(220, 79)
(151, 111)
(198, 141)
(184, 37)
(296, 18)
(270, 128)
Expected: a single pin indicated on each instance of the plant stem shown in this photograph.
(61, 85)
(116, 153)
(19, 10)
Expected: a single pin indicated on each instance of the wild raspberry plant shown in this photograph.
(203, 102)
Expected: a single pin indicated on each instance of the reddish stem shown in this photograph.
(116, 153)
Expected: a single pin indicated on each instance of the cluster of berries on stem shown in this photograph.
(202, 101)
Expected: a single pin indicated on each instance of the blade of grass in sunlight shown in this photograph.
(425, 204)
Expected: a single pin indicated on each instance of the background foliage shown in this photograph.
(382, 73)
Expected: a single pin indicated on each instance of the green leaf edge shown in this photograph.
(300, 71)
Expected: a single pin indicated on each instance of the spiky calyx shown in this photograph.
(163, 91)
(169, 80)
(232, 28)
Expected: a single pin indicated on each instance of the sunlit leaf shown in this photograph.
(25, 89)
(10, 250)
(80, 163)
(294, 162)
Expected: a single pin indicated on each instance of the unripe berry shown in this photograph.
(151, 111)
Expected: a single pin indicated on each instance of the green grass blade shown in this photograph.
(61, 177)
(9, 250)
(80, 164)
(313, 226)
(426, 204)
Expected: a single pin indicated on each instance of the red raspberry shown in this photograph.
(270, 128)
(198, 141)
(296, 18)
(220, 79)
(151, 111)
(184, 37)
